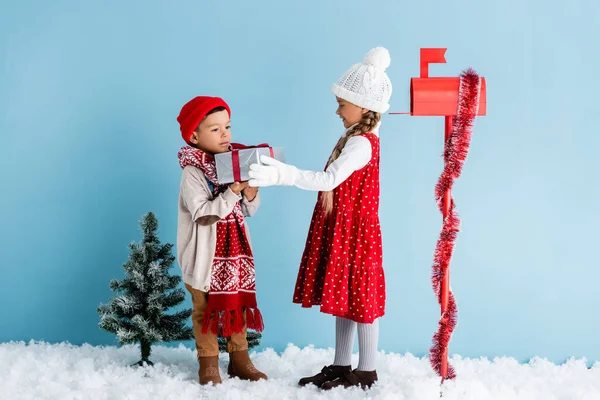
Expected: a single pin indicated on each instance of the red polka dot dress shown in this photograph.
(341, 268)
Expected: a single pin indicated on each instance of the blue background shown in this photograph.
(89, 93)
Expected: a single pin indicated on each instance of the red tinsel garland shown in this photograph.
(455, 154)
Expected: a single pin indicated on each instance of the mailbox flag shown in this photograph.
(428, 56)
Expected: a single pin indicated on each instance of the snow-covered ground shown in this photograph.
(63, 372)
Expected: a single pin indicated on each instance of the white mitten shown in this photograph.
(272, 172)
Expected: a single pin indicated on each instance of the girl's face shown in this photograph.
(349, 113)
(213, 135)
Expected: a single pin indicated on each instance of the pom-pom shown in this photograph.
(379, 57)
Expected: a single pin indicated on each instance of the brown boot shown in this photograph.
(362, 379)
(209, 370)
(241, 366)
(327, 374)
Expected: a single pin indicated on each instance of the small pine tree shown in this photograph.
(137, 313)
(252, 337)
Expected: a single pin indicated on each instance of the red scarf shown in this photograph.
(232, 283)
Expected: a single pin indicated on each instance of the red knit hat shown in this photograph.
(194, 111)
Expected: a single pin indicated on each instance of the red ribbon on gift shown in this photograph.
(235, 157)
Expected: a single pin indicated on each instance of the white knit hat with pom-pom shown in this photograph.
(366, 84)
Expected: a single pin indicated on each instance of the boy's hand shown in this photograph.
(250, 193)
(238, 187)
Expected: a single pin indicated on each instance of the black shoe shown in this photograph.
(362, 379)
(327, 374)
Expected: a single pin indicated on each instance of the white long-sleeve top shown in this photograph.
(355, 155)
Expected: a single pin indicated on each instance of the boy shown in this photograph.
(213, 243)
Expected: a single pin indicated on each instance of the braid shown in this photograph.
(368, 122)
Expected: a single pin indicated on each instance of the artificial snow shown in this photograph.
(63, 372)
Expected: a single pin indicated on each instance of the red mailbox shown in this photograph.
(459, 100)
(438, 96)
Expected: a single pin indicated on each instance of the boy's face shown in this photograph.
(349, 113)
(213, 135)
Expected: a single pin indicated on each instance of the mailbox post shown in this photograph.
(459, 100)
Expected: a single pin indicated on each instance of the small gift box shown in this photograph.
(234, 165)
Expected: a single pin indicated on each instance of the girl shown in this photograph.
(341, 268)
(213, 243)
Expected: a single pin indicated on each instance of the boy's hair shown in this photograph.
(368, 122)
(214, 110)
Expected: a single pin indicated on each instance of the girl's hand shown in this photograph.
(272, 172)
(238, 187)
(250, 193)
